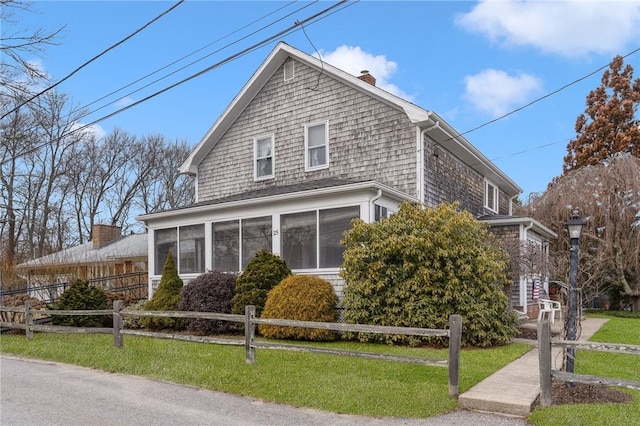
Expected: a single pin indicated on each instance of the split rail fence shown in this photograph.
(547, 372)
(250, 321)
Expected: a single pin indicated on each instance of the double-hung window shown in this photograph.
(491, 196)
(263, 157)
(316, 141)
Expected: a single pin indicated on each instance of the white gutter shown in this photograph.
(511, 204)
(420, 160)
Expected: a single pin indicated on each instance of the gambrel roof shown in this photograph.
(425, 120)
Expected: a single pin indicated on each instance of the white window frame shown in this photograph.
(256, 157)
(289, 70)
(491, 187)
(307, 148)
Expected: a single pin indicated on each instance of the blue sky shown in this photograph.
(471, 62)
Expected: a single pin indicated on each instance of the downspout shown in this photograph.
(420, 167)
(372, 202)
(523, 280)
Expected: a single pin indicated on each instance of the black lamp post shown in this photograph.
(574, 226)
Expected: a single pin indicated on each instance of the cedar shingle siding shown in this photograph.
(368, 139)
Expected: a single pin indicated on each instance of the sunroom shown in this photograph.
(302, 223)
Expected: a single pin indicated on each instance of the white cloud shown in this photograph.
(96, 130)
(495, 92)
(569, 28)
(124, 102)
(353, 59)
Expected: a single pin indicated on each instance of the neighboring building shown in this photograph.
(527, 241)
(302, 150)
(108, 254)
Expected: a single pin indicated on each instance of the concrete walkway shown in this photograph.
(514, 389)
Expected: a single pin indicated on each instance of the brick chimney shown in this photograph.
(104, 234)
(366, 77)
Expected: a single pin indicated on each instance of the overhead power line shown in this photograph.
(93, 59)
(228, 59)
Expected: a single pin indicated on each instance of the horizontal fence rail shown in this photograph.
(547, 372)
(453, 333)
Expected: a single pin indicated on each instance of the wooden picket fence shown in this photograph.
(547, 372)
(453, 333)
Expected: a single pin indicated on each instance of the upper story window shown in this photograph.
(316, 141)
(263, 157)
(491, 196)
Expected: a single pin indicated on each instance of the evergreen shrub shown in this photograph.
(422, 265)
(209, 292)
(302, 298)
(263, 272)
(81, 296)
(165, 298)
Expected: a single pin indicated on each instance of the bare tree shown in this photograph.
(608, 196)
(169, 188)
(16, 71)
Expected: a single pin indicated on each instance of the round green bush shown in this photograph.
(209, 292)
(422, 265)
(165, 298)
(302, 298)
(263, 272)
(81, 296)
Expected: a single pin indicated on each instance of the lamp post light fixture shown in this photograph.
(574, 226)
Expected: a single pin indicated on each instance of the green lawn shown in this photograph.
(616, 330)
(331, 383)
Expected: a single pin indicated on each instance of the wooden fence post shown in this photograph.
(455, 337)
(544, 359)
(117, 323)
(28, 320)
(249, 333)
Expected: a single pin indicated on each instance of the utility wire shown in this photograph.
(538, 99)
(204, 71)
(187, 56)
(185, 66)
(93, 59)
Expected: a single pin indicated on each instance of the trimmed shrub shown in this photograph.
(81, 296)
(263, 272)
(165, 298)
(131, 322)
(422, 265)
(303, 298)
(210, 292)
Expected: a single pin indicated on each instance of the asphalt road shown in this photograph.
(34, 392)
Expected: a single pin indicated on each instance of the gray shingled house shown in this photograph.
(303, 149)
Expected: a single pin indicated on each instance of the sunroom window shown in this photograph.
(191, 247)
(166, 240)
(239, 240)
(312, 239)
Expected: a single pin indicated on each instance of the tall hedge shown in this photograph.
(165, 298)
(263, 272)
(421, 265)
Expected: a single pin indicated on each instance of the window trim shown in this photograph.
(488, 185)
(256, 158)
(307, 167)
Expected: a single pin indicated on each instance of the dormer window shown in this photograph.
(263, 157)
(491, 196)
(316, 140)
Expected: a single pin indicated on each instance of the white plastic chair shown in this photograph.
(549, 307)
